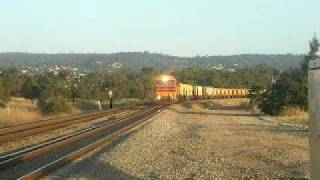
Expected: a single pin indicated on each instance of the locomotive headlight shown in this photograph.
(165, 78)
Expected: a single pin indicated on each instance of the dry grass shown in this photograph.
(289, 115)
(232, 102)
(91, 105)
(19, 111)
(294, 115)
(242, 103)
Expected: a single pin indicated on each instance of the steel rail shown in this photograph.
(26, 126)
(40, 172)
(14, 132)
(10, 158)
(24, 155)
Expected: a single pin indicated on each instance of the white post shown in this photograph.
(314, 117)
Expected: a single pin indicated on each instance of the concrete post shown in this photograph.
(314, 117)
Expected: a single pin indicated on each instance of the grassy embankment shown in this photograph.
(290, 115)
(294, 115)
(20, 110)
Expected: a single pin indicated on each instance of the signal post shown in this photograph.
(110, 97)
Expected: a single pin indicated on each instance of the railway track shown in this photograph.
(14, 132)
(41, 159)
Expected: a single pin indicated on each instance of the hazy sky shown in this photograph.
(177, 27)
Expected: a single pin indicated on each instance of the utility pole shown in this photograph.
(314, 117)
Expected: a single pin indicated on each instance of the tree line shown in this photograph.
(57, 93)
(289, 89)
(260, 75)
(133, 61)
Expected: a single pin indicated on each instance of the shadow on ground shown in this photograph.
(93, 168)
(244, 127)
(215, 106)
(187, 105)
(215, 113)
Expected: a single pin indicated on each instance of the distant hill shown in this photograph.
(138, 60)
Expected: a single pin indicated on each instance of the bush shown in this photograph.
(54, 105)
(4, 97)
(288, 91)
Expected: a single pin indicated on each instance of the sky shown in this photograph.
(175, 27)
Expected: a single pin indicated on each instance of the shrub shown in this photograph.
(54, 105)
(4, 97)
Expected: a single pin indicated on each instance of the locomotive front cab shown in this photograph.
(165, 88)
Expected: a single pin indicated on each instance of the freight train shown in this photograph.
(168, 88)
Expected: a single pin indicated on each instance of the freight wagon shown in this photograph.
(168, 88)
(185, 91)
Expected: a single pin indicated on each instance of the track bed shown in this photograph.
(205, 140)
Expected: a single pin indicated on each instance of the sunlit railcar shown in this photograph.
(218, 93)
(233, 93)
(238, 93)
(185, 91)
(224, 93)
(215, 93)
(208, 92)
(166, 87)
(197, 92)
(229, 93)
(242, 93)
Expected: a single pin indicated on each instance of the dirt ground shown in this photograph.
(216, 139)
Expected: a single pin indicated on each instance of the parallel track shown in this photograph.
(14, 132)
(99, 134)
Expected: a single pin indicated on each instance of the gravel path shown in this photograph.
(199, 141)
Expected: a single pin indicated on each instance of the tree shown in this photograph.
(146, 80)
(256, 94)
(11, 81)
(30, 89)
(291, 88)
(4, 96)
(312, 55)
(54, 105)
(243, 78)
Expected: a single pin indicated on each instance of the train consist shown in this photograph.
(168, 88)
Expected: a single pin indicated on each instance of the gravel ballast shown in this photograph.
(197, 141)
(28, 141)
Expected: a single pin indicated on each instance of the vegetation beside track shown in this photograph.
(287, 96)
(60, 93)
(21, 110)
